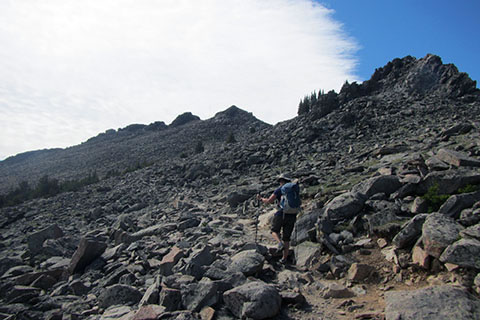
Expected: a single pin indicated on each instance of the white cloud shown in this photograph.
(72, 69)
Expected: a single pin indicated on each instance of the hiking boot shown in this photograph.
(280, 246)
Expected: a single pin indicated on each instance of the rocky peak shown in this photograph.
(423, 76)
(184, 118)
(234, 115)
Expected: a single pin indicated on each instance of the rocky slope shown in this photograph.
(177, 238)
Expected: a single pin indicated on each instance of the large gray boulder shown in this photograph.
(441, 302)
(305, 225)
(410, 232)
(170, 260)
(36, 239)
(448, 181)
(456, 203)
(382, 184)
(344, 206)
(306, 253)
(196, 296)
(119, 294)
(383, 223)
(438, 232)
(471, 232)
(88, 250)
(457, 159)
(255, 300)
(195, 264)
(248, 262)
(464, 252)
(240, 195)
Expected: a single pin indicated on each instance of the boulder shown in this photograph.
(199, 258)
(461, 128)
(148, 312)
(240, 195)
(448, 181)
(457, 159)
(119, 294)
(306, 253)
(170, 299)
(151, 296)
(387, 184)
(22, 294)
(471, 232)
(464, 252)
(440, 302)
(248, 262)
(438, 232)
(420, 257)
(170, 260)
(199, 295)
(9, 262)
(344, 206)
(456, 203)
(410, 232)
(293, 298)
(255, 300)
(88, 250)
(419, 205)
(470, 217)
(17, 271)
(385, 223)
(359, 272)
(337, 291)
(36, 239)
(305, 225)
(117, 313)
(435, 164)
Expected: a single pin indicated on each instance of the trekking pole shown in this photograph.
(256, 221)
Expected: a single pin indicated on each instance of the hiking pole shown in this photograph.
(256, 221)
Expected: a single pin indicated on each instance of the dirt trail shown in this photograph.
(368, 303)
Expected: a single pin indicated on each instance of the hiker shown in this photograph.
(286, 215)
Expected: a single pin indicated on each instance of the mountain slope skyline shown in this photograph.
(71, 70)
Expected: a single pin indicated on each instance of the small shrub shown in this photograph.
(434, 199)
(468, 189)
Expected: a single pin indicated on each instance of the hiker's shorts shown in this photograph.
(285, 222)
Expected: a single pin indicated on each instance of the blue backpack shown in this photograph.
(290, 201)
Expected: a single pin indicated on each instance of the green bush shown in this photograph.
(434, 200)
(468, 189)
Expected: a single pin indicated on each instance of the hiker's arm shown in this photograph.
(268, 200)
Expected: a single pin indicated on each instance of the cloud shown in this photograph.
(72, 69)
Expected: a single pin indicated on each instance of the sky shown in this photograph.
(70, 70)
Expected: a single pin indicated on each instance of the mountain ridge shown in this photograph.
(390, 186)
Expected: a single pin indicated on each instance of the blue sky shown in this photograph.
(72, 69)
(386, 29)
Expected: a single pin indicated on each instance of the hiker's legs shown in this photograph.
(286, 248)
(288, 225)
(277, 226)
(276, 236)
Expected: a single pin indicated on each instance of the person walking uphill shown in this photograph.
(288, 195)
